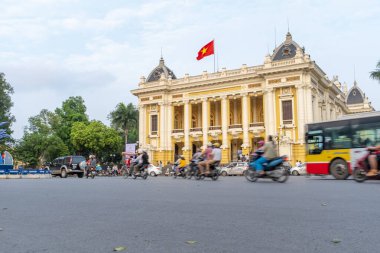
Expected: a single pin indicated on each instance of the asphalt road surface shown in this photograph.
(178, 215)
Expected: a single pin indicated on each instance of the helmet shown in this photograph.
(261, 143)
(209, 144)
(139, 151)
(216, 145)
(182, 156)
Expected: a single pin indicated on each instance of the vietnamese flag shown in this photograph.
(207, 50)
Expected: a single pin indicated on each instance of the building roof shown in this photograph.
(286, 50)
(355, 95)
(156, 73)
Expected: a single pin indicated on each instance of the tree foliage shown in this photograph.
(376, 73)
(6, 90)
(72, 110)
(35, 148)
(95, 138)
(125, 120)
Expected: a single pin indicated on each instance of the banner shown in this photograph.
(130, 148)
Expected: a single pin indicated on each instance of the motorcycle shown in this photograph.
(143, 172)
(214, 173)
(274, 169)
(192, 169)
(182, 173)
(362, 167)
(91, 173)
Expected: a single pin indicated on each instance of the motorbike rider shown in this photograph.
(141, 160)
(181, 164)
(260, 148)
(270, 152)
(214, 157)
(373, 160)
(92, 164)
(207, 156)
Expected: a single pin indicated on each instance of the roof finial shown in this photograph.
(275, 35)
(161, 53)
(287, 19)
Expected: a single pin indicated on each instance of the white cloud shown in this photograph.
(60, 48)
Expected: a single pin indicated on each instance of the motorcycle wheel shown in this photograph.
(250, 175)
(284, 176)
(145, 175)
(199, 176)
(175, 175)
(359, 175)
(92, 175)
(215, 177)
(188, 175)
(134, 176)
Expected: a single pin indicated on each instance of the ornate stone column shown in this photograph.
(142, 125)
(269, 112)
(163, 133)
(309, 105)
(301, 112)
(186, 125)
(169, 126)
(224, 122)
(245, 113)
(224, 107)
(205, 120)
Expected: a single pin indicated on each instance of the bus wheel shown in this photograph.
(339, 170)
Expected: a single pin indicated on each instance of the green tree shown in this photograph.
(36, 148)
(6, 90)
(125, 120)
(95, 138)
(73, 110)
(376, 73)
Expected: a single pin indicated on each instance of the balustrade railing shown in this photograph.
(234, 126)
(176, 131)
(196, 129)
(214, 128)
(256, 124)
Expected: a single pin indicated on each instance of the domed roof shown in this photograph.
(286, 50)
(355, 95)
(161, 68)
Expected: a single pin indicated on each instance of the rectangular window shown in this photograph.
(153, 124)
(314, 142)
(337, 137)
(365, 135)
(287, 112)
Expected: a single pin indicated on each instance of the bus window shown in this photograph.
(337, 137)
(314, 142)
(365, 135)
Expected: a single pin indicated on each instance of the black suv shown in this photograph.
(62, 166)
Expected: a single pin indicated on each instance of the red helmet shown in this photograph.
(261, 143)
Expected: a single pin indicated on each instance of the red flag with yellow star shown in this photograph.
(207, 50)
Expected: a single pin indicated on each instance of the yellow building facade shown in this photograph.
(237, 108)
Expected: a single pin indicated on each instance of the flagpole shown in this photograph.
(214, 54)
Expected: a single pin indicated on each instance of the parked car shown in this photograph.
(298, 170)
(67, 165)
(234, 168)
(154, 170)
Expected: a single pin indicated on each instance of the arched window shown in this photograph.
(193, 121)
(212, 120)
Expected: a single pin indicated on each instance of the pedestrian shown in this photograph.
(160, 165)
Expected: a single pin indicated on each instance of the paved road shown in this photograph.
(162, 214)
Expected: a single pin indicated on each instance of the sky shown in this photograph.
(53, 49)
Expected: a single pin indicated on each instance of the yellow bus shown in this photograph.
(333, 147)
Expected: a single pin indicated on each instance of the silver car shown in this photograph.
(298, 170)
(234, 168)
